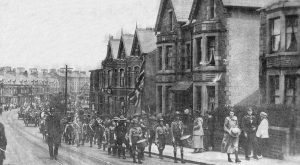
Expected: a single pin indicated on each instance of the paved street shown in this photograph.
(26, 147)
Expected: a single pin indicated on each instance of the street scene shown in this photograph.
(210, 82)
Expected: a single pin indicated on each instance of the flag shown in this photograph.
(135, 96)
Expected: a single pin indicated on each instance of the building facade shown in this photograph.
(280, 53)
(207, 54)
(115, 81)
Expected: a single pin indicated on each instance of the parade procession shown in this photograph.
(154, 82)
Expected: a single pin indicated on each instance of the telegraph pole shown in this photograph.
(66, 87)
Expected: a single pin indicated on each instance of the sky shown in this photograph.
(52, 33)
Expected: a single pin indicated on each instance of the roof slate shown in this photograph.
(247, 3)
(114, 44)
(147, 40)
(182, 9)
(127, 40)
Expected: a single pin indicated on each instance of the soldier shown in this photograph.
(99, 131)
(112, 138)
(78, 130)
(53, 129)
(121, 132)
(135, 134)
(144, 135)
(249, 126)
(90, 131)
(176, 134)
(3, 143)
(106, 132)
(151, 133)
(160, 137)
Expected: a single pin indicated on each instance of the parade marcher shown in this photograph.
(69, 133)
(78, 128)
(112, 138)
(106, 133)
(152, 124)
(176, 134)
(3, 143)
(144, 135)
(90, 132)
(160, 137)
(198, 133)
(135, 135)
(120, 133)
(99, 131)
(249, 126)
(53, 129)
(230, 142)
(85, 125)
(262, 134)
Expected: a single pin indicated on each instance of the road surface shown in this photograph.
(27, 147)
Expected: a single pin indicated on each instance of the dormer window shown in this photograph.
(171, 20)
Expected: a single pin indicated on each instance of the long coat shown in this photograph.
(53, 128)
(3, 141)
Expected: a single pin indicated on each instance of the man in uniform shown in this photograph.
(112, 138)
(151, 132)
(176, 134)
(249, 126)
(120, 133)
(160, 137)
(90, 131)
(99, 131)
(135, 134)
(53, 129)
(3, 143)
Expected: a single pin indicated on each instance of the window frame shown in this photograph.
(272, 36)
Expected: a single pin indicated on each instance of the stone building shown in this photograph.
(112, 84)
(208, 53)
(280, 53)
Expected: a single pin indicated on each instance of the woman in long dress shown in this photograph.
(198, 134)
(230, 143)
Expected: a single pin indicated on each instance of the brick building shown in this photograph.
(280, 53)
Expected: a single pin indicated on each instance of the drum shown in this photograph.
(185, 137)
(142, 143)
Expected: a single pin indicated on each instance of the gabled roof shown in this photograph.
(146, 39)
(182, 9)
(274, 4)
(247, 3)
(127, 40)
(234, 3)
(114, 45)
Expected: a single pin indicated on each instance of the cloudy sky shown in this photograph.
(51, 33)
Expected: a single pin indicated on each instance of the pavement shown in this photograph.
(218, 158)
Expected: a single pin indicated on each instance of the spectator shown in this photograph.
(198, 133)
(3, 143)
(262, 134)
(249, 126)
(230, 142)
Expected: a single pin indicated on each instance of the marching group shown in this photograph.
(119, 135)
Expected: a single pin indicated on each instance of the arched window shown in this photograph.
(110, 75)
(122, 77)
(129, 77)
(136, 72)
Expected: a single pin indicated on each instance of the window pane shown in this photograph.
(199, 53)
(211, 98)
(290, 90)
(159, 58)
(211, 48)
(291, 33)
(275, 34)
(274, 89)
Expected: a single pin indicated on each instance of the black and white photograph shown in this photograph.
(153, 82)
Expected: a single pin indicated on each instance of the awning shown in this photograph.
(181, 86)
